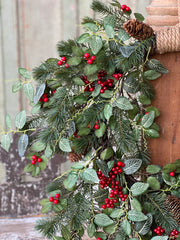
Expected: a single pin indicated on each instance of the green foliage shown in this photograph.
(101, 112)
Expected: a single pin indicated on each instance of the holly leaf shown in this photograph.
(91, 230)
(96, 91)
(126, 51)
(151, 75)
(90, 69)
(160, 238)
(154, 64)
(152, 133)
(5, 142)
(132, 165)
(64, 145)
(107, 153)
(107, 94)
(153, 169)
(102, 129)
(123, 103)
(46, 208)
(109, 30)
(22, 144)
(117, 213)
(77, 51)
(78, 81)
(108, 111)
(29, 168)
(83, 38)
(8, 121)
(144, 227)
(96, 44)
(144, 99)
(139, 188)
(74, 61)
(39, 92)
(126, 226)
(136, 205)
(148, 119)
(16, 86)
(139, 17)
(71, 180)
(20, 119)
(24, 73)
(153, 183)
(29, 91)
(36, 108)
(91, 26)
(135, 216)
(38, 146)
(122, 35)
(89, 175)
(84, 131)
(102, 220)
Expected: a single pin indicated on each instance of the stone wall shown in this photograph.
(20, 193)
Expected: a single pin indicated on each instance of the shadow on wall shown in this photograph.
(20, 194)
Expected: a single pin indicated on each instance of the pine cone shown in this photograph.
(74, 157)
(173, 205)
(138, 30)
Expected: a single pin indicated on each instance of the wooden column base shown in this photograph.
(166, 149)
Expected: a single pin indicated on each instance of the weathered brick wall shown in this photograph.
(20, 193)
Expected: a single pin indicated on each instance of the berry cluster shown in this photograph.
(159, 230)
(89, 86)
(55, 199)
(35, 159)
(45, 97)
(62, 61)
(125, 8)
(116, 190)
(174, 234)
(105, 84)
(90, 59)
(117, 76)
(76, 134)
(172, 174)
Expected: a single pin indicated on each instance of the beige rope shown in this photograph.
(168, 39)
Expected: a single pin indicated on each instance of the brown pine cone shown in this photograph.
(74, 157)
(173, 205)
(137, 29)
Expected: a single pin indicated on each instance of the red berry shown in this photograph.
(86, 55)
(57, 195)
(128, 9)
(146, 113)
(123, 7)
(104, 206)
(60, 62)
(93, 57)
(102, 186)
(117, 182)
(66, 65)
(53, 92)
(45, 95)
(123, 199)
(141, 119)
(123, 164)
(39, 160)
(51, 199)
(102, 84)
(115, 200)
(120, 170)
(33, 162)
(91, 89)
(98, 238)
(120, 75)
(34, 157)
(86, 82)
(104, 88)
(107, 205)
(106, 200)
(172, 174)
(96, 126)
(90, 61)
(101, 91)
(63, 59)
(110, 84)
(56, 201)
(99, 82)
(46, 99)
(111, 195)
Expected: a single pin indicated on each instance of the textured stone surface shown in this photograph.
(20, 193)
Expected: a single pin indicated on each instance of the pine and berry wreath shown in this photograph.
(94, 104)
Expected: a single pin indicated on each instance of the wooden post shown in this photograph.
(166, 149)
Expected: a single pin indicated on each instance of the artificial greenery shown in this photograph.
(100, 113)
